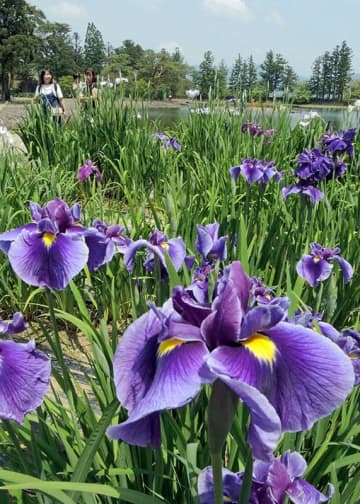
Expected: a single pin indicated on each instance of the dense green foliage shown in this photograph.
(64, 443)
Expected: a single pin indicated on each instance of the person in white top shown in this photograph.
(50, 93)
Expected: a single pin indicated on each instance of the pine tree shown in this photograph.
(251, 77)
(315, 79)
(236, 77)
(94, 48)
(207, 74)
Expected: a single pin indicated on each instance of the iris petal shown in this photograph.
(24, 379)
(53, 267)
(312, 376)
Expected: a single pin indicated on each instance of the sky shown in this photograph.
(300, 30)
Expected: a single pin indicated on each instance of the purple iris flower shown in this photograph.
(157, 244)
(338, 143)
(271, 483)
(256, 170)
(245, 126)
(208, 244)
(24, 373)
(259, 293)
(316, 266)
(314, 166)
(50, 251)
(167, 141)
(103, 242)
(87, 170)
(305, 189)
(232, 483)
(287, 377)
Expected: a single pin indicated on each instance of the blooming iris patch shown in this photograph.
(167, 141)
(316, 266)
(50, 251)
(289, 376)
(103, 242)
(87, 169)
(271, 483)
(24, 373)
(156, 246)
(256, 170)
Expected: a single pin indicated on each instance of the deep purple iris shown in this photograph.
(103, 242)
(51, 250)
(314, 166)
(24, 373)
(338, 143)
(168, 141)
(256, 170)
(289, 376)
(271, 483)
(87, 169)
(208, 243)
(316, 266)
(156, 246)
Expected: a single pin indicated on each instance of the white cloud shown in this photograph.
(277, 18)
(228, 7)
(67, 9)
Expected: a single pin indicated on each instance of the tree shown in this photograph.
(207, 74)
(78, 52)
(94, 48)
(251, 77)
(18, 44)
(55, 49)
(276, 73)
(315, 79)
(236, 81)
(221, 79)
(344, 72)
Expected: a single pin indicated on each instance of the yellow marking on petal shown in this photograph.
(227, 499)
(353, 355)
(48, 239)
(168, 346)
(316, 259)
(268, 296)
(164, 245)
(261, 347)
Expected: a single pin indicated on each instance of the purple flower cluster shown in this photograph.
(87, 169)
(55, 247)
(256, 170)
(271, 483)
(288, 375)
(24, 373)
(340, 143)
(256, 130)
(316, 266)
(168, 141)
(317, 165)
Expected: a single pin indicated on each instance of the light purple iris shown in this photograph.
(271, 483)
(256, 170)
(208, 244)
(289, 376)
(156, 246)
(168, 141)
(87, 169)
(24, 373)
(338, 143)
(304, 189)
(316, 266)
(103, 242)
(51, 250)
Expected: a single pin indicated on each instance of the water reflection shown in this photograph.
(338, 118)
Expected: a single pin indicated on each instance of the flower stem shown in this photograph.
(216, 462)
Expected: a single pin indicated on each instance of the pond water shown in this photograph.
(339, 118)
